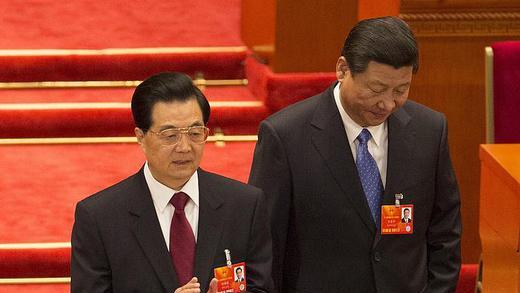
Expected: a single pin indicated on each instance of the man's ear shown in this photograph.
(341, 68)
(139, 134)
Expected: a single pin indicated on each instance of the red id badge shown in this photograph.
(231, 279)
(397, 219)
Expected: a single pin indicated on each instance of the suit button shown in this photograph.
(377, 257)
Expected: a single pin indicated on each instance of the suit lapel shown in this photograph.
(147, 231)
(401, 143)
(330, 139)
(211, 220)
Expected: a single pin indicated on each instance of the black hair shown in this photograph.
(165, 87)
(387, 40)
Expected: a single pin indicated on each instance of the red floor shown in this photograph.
(46, 181)
(118, 24)
(39, 288)
(95, 95)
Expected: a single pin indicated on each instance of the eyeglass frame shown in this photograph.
(182, 130)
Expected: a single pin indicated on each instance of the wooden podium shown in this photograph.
(500, 217)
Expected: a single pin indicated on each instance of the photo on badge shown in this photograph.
(239, 271)
(406, 215)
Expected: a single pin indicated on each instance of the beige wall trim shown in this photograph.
(63, 106)
(100, 140)
(68, 84)
(109, 84)
(220, 82)
(26, 281)
(490, 111)
(235, 104)
(112, 105)
(232, 138)
(39, 245)
(122, 51)
(464, 24)
(67, 140)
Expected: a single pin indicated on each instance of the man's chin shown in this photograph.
(375, 122)
(378, 119)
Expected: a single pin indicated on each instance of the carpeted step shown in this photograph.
(31, 260)
(236, 110)
(120, 64)
(44, 286)
(92, 112)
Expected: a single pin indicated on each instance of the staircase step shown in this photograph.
(110, 94)
(92, 112)
(29, 259)
(120, 64)
(44, 286)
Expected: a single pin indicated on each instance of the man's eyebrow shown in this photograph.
(377, 83)
(380, 83)
(171, 126)
(405, 84)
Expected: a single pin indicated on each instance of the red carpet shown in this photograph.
(60, 175)
(118, 24)
(43, 112)
(39, 288)
(120, 64)
(118, 95)
(268, 91)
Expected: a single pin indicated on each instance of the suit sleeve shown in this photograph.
(444, 232)
(259, 252)
(90, 270)
(270, 172)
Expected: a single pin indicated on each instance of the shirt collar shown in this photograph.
(353, 129)
(161, 194)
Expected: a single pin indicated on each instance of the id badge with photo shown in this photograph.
(231, 279)
(397, 219)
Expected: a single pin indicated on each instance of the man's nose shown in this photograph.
(183, 145)
(387, 103)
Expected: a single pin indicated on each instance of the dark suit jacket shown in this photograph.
(324, 238)
(118, 246)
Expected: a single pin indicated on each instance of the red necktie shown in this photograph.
(182, 241)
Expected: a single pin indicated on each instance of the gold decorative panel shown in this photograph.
(464, 24)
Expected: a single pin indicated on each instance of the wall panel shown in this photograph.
(452, 80)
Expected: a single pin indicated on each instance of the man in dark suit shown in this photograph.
(328, 165)
(166, 228)
(239, 275)
(406, 216)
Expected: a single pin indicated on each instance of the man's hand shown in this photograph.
(193, 286)
(213, 286)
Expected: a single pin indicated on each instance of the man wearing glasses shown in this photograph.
(165, 229)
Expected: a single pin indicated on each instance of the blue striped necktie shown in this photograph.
(369, 175)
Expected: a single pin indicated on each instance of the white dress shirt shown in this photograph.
(161, 195)
(377, 145)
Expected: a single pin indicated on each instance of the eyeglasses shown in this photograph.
(172, 136)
